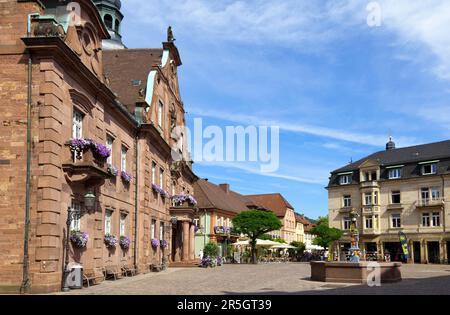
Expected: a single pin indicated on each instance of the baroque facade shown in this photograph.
(59, 85)
(396, 190)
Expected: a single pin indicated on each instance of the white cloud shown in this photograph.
(298, 127)
(319, 176)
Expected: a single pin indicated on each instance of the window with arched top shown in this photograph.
(108, 21)
(117, 26)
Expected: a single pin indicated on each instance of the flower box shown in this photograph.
(79, 239)
(100, 151)
(155, 243)
(126, 177)
(110, 241)
(179, 200)
(112, 170)
(163, 244)
(125, 242)
(159, 190)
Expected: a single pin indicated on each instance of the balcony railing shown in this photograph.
(46, 27)
(370, 209)
(431, 202)
(370, 184)
(373, 231)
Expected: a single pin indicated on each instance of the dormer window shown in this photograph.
(345, 179)
(395, 173)
(429, 168)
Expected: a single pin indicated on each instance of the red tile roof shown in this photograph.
(211, 196)
(273, 202)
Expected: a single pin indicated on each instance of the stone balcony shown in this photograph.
(371, 210)
(430, 203)
(373, 231)
(46, 27)
(84, 168)
(370, 184)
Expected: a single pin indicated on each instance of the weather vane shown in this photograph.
(170, 37)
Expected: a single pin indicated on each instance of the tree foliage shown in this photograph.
(254, 224)
(211, 250)
(325, 235)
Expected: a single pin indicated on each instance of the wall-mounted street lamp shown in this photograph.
(89, 200)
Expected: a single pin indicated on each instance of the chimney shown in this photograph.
(225, 187)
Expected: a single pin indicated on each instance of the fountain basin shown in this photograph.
(344, 272)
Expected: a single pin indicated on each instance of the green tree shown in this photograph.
(325, 236)
(211, 250)
(298, 250)
(255, 223)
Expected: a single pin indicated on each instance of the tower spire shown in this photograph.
(112, 17)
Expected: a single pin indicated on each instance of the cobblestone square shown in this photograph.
(267, 279)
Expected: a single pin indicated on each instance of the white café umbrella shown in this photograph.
(283, 246)
(258, 243)
(314, 247)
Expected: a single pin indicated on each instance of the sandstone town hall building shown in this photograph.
(65, 76)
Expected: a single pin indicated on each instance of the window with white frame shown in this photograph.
(347, 201)
(161, 231)
(347, 223)
(161, 177)
(436, 219)
(426, 219)
(153, 173)
(429, 169)
(369, 222)
(123, 220)
(435, 193)
(375, 198)
(153, 229)
(160, 114)
(123, 158)
(395, 173)
(75, 225)
(77, 125)
(345, 179)
(396, 197)
(108, 219)
(368, 199)
(109, 145)
(396, 221)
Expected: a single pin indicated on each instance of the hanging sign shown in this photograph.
(404, 243)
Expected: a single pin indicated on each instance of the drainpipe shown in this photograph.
(443, 198)
(136, 201)
(25, 277)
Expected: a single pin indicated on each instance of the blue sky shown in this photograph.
(336, 87)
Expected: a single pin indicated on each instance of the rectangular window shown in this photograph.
(396, 221)
(347, 201)
(123, 218)
(77, 125)
(108, 217)
(368, 199)
(161, 177)
(396, 197)
(375, 198)
(153, 229)
(425, 195)
(395, 173)
(369, 222)
(425, 219)
(161, 231)
(429, 169)
(109, 145)
(76, 219)
(124, 159)
(153, 173)
(436, 219)
(347, 223)
(345, 179)
(160, 114)
(435, 193)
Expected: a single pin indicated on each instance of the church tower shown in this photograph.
(112, 17)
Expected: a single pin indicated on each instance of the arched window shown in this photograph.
(108, 21)
(117, 26)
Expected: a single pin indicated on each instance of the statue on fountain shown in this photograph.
(355, 252)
